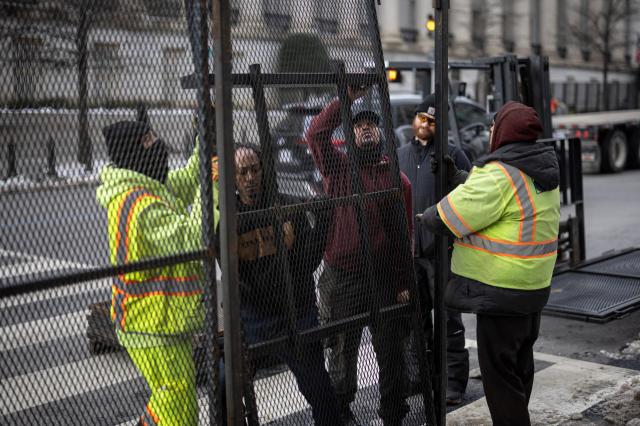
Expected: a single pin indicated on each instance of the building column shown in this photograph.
(389, 21)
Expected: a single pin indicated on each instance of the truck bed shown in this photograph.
(596, 118)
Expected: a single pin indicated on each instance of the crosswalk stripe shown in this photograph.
(64, 381)
(30, 264)
(44, 330)
(39, 264)
(90, 374)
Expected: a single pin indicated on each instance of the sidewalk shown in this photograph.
(570, 392)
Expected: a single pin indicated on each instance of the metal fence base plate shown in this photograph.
(599, 291)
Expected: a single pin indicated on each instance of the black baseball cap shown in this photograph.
(428, 105)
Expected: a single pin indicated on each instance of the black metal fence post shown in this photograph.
(221, 24)
(206, 148)
(442, 259)
(577, 194)
(12, 170)
(385, 108)
(272, 188)
(51, 157)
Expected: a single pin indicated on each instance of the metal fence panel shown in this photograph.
(110, 309)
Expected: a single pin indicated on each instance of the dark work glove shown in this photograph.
(434, 162)
(431, 220)
(454, 176)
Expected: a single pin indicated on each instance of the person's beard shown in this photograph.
(425, 135)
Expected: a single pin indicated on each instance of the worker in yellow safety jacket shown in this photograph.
(155, 311)
(505, 219)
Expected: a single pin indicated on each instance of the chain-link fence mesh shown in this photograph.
(107, 244)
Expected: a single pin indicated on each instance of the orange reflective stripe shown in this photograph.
(149, 418)
(119, 312)
(182, 286)
(522, 194)
(515, 251)
(506, 248)
(443, 216)
(533, 205)
(119, 215)
(524, 243)
(122, 250)
(159, 285)
(125, 212)
(449, 214)
(515, 193)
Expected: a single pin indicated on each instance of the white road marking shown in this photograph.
(44, 330)
(60, 382)
(31, 263)
(43, 264)
(568, 386)
(64, 381)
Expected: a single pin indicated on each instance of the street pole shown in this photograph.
(442, 259)
(228, 220)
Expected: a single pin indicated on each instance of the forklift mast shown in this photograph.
(511, 78)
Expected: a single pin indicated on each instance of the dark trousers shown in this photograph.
(343, 294)
(308, 368)
(457, 354)
(505, 353)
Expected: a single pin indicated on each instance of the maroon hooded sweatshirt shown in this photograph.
(515, 122)
(343, 249)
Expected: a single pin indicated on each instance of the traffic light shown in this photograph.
(394, 75)
(431, 25)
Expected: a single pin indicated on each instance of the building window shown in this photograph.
(277, 14)
(107, 68)
(478, 24)
(326, 17)
(27, 68)
(561, 28)
(508, 39)
(408, 21)
(585, 38)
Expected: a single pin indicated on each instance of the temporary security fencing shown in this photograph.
(203, 220)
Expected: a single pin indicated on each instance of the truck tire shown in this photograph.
(614, 152)
(633, 162)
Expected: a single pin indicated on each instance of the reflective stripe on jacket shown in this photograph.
(506, 229)
(159, 301)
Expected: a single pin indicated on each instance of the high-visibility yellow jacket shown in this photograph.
(148, 219)
(506, 229)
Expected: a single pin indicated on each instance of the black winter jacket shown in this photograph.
(415, 162)
(263, 273)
